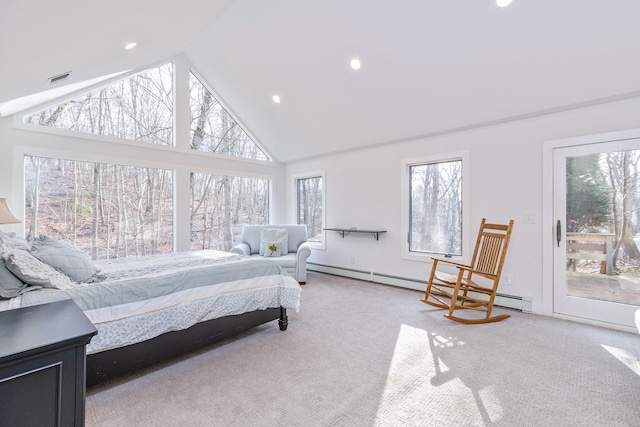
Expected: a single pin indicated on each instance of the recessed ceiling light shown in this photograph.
(503, 3)
(130, 45)
(276, 99)
(355, 64)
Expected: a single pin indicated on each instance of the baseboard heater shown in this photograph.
(523, 304)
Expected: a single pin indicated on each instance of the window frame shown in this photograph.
(296, 208)
(406, 164)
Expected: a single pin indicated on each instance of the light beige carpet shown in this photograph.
(361, 354)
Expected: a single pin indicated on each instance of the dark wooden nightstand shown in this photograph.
(42, 365)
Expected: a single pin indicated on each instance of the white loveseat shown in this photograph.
(299, 249)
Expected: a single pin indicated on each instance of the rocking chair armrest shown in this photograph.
(436, 260)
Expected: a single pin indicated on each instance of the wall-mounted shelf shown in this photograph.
(346, 231)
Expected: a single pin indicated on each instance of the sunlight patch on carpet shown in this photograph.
(629, 360)
(420, 386)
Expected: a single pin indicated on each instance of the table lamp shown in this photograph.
(6, 216)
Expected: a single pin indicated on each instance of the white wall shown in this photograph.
(16, 142)
(363, 190)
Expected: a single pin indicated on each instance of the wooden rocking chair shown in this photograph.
(475, 285)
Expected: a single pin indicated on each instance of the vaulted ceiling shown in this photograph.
(427, 67)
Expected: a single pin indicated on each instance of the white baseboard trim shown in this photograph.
(523, 304)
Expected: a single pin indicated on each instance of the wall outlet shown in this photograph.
(352, 260)
(506, 279)
(528, 218)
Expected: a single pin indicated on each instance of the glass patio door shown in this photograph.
(597, 231)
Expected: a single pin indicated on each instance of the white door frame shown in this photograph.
(548, 225)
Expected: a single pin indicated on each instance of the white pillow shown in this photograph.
(31, 270)
(274, 235)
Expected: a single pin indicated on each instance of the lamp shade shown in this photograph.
(6, 216)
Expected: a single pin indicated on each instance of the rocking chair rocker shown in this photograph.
(475, 286)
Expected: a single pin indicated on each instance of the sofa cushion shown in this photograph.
(285, 261)
(251, 236)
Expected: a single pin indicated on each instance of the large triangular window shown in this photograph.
(214, 130)
(139, 108)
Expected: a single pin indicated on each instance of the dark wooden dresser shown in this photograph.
(42, 365)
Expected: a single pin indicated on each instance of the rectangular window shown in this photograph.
(107, 210)
(221, 204)
(436, 208)
(310, 206)
(434, 193)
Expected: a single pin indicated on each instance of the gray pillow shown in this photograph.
(10, 285)
(32, 271)
(64, 258)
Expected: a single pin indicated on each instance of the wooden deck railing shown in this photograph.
(592, 246)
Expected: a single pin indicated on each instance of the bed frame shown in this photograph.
(109, 364)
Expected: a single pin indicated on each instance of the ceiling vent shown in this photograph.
(59, 77)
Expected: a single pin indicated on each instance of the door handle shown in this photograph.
(558, 232)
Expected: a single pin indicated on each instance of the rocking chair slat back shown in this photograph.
(489, 254)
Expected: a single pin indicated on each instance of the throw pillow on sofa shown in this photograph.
(278, 236)
(272, 249)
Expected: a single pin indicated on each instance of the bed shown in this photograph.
(152, 308)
